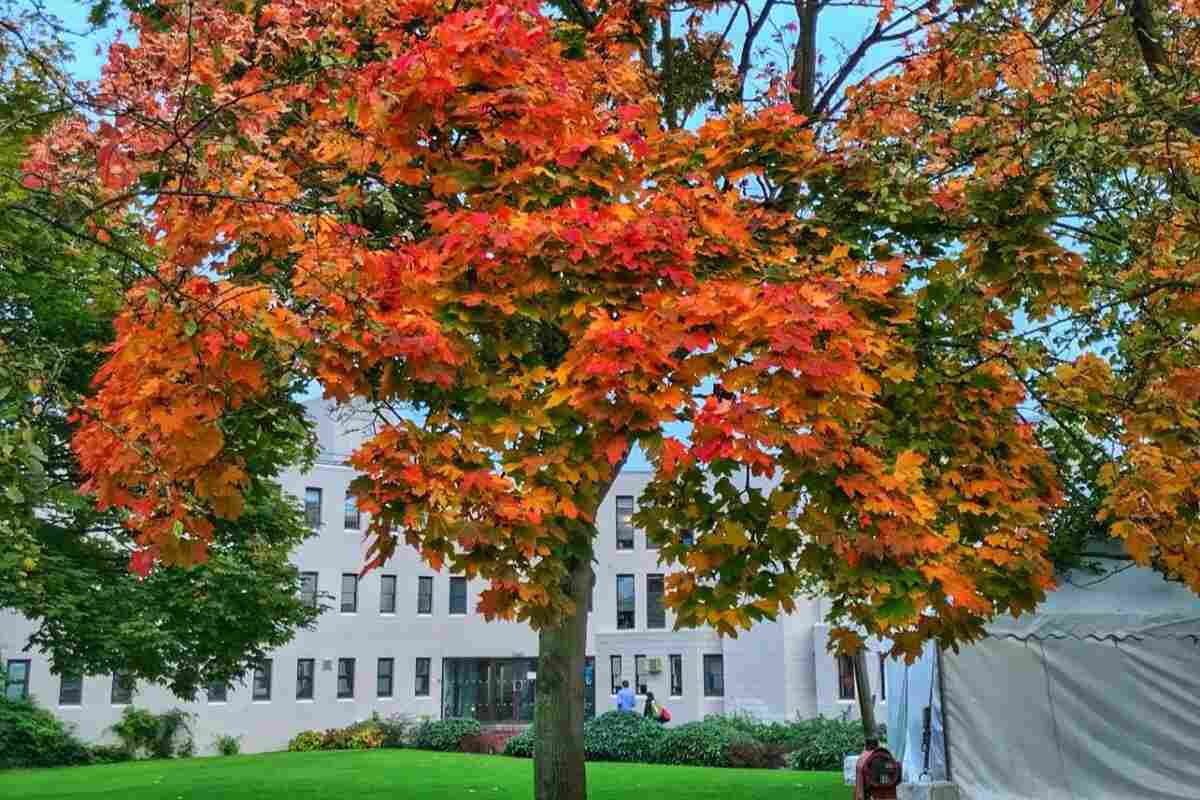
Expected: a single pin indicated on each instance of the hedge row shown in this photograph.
(395, 731)
(717, 741)
(31, 736)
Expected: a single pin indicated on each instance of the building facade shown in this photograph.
(407, 640)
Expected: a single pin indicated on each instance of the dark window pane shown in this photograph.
(624, 522)
(458, 595)
(345, 686)
(714, 676)
(882, 676)
(216, 692)
(677, 676)
(387, 594)
(349, 592)
(308, 589)
(639, 674)
(656, 614)
(422, 681)
(688, 538)
(17, 685)
(626, 602)
(846, 678)
(122, 689)
(614, 666)
(70, 690)
(383, 681)
(351, 518)
(312, 507)
(306, 669)
(425, 595)
(262, 681)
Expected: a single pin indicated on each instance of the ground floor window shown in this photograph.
(70, 690)
(714, 676)
(846, 678)
(500, 689)
(676, 675)
(17, 684)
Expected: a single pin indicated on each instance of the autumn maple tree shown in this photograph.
(899, 304)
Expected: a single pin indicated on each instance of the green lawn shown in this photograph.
(399, 775)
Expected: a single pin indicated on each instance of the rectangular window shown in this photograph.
(306, 671)
(345, 678)
(639, 674)
(122, 689)
(216, 692)
(383, 677)
(422, 681)
(656, 614)
(387, 594)
(351, 518)
(424, 595)
(458, 595)
(714, 676)
(70, 690)
(312, 507)
(308, 589)
(349, 593)
(688, 538)
(262, 681)
(624, 522)
(676, 675)
(883, 677)
(17, 685)
(846, 678)
(614, 666)
(626, 603)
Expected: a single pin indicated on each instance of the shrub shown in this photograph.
(395, 729)
(446, 734)
(701, 744)
(109, 754)
(305, 742)
(162, 735)
(521, 745)
(621, 736)
(31, 736)
(229, 745)
(821, 743)
(750, 754)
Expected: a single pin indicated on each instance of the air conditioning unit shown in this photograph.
(654, 665)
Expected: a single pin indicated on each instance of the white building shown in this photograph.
(405, 639)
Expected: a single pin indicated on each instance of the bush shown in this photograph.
(31, 736)
(521, 745)
(701, 744)
(395, 729)
(228, 745)
(445, 735)
(821, 743)
(109, 754)
(305, 742)
(621, 736)
(155, 735)
(756, 755)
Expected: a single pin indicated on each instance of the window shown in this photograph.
(306, 670)
(624, 522)
(656, 615)
(349, 593)
(639, 674)
(262, 681)
(883, 677)
(345, 677)
(312, 507)
(458, 595)
(614, 665)
(387, 594)
(714, 676)
(351, 518)
(383, 677)
(308, 589)
(846, 678)
(17, 686)
(422, 682)
(626, 602)
(70, 690)
(122, 689)
(676, 675)
(217, 692)
(688, 538)
(425, 595)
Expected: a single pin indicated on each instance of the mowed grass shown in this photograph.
(399, 775)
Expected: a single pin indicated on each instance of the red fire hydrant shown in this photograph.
(877, 774)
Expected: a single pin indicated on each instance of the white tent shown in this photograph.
(1096, 696)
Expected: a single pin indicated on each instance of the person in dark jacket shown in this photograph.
(651, 709)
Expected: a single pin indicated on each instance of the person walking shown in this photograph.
(650, 711)
(626, 699)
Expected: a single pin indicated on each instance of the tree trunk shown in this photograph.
(558, 770)
(866, 700)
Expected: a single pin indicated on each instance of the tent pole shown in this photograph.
(942, 700)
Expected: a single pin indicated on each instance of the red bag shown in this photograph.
(664, 715)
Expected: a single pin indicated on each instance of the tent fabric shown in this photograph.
(912, 687)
